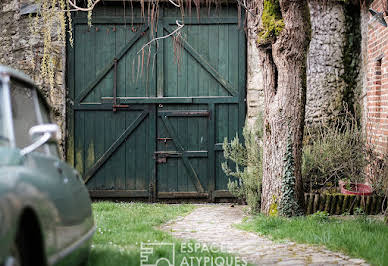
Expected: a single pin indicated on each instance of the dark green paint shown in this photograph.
(39, 185)
(175, 114)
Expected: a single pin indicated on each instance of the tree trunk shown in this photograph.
(284, 71)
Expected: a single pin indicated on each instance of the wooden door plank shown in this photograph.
(211, 152)
(202, 44)
(233, 78)
(91, 144)
(182, 179)
(192, 68)
(186, 162)
(242, 78)
(109, 66)
(209, 68)
(142, 173)
(162, 169)
(195, 129)
(70, 117)
(213, 57)
(119, 158)
(223, 65)
(130, 149)
(79, 72)
(152, 148)
(115, 145)
(160, 57)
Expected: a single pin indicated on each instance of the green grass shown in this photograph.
(122, 227)
(361, 237)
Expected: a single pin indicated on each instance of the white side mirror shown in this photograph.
(48, 132)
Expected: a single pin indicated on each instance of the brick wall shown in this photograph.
(377, 83)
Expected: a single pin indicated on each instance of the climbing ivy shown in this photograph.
(288, 205)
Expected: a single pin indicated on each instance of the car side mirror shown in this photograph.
(47, 132)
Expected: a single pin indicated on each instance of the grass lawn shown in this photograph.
(122, 227)
(360, 237)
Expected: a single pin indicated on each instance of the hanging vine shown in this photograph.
(54, 21)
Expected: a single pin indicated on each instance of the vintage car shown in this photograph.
(45, 209)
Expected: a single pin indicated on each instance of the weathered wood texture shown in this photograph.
(166, 137)
(340, 204)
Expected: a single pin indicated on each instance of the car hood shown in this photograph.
(9, 156)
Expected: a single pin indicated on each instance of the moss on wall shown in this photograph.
(272, 22)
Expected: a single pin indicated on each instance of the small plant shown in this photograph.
(320, 216)
(245, 178)
(359, 211)
(346, 213)
(347, 184)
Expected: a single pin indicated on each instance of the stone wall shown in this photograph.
(255, 93)
(333, 76)
(333, 73)
(324, 62)
(22, 50)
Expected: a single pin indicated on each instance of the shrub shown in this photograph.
(340, 151)
(333, 152)
(246, 175)
(377, 171)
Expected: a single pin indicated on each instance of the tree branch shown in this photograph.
(245, 6)
(175, 4)
(180, 26)
(77, 8)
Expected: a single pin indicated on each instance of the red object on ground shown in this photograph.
(357, 189)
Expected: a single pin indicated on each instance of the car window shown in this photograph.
(45, 113)
(23, 112)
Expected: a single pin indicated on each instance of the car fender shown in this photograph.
(18, 195)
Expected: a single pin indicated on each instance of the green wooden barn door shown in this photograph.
(112, 142)
(164, 140)
(209, 80)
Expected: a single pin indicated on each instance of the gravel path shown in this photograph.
(213, 225)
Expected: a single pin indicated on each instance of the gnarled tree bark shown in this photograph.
(283, 60)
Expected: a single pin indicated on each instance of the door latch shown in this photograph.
(161, 160)
(160, 157)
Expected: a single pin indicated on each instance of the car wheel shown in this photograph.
(14, 259)
(29, 242)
